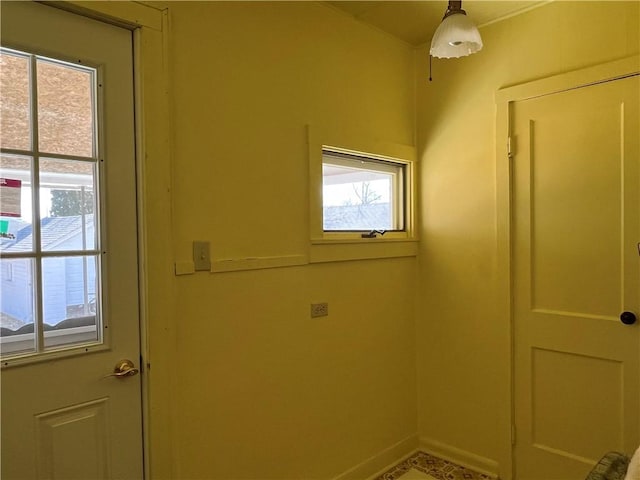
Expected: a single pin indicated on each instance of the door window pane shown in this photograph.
(16, 306)
(65, 108)
(69, 300)
(15, 112)
(67, 205)
(16, 233)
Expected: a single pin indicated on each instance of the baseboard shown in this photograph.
(461, 457)
(382, 460)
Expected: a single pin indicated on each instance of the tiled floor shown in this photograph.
(414, 474)
(423, 466)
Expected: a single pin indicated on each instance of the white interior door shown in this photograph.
(576, 227)
(69, 277)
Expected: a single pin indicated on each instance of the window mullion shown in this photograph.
(35, 199)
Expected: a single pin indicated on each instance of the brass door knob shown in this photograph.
(124, 368)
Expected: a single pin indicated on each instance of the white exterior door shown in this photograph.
(576, 269)
(69, 278)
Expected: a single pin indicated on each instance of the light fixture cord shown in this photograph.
(430, 57)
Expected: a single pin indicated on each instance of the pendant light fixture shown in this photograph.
(456, 36)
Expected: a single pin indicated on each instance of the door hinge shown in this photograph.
(513, 434)
(509, 151)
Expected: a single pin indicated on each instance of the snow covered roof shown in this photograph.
(357, 217)
(54, 231)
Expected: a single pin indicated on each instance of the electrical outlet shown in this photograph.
(319, 309)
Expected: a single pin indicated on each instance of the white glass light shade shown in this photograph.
(455, 37)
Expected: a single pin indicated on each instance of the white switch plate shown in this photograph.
(201, 256)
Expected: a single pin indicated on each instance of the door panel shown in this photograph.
(61, 416)
(79, 428)
(575, 269)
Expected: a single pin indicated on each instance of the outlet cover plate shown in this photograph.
(319, 309)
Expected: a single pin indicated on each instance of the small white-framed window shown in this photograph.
(361, 197)
(363, 193)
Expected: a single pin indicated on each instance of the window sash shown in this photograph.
(361, 164)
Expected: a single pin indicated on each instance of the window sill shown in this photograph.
(345, 249)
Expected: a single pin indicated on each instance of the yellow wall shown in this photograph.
(260, 389)
(463, 343)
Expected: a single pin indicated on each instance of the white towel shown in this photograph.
(633, 471)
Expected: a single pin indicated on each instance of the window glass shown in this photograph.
(69, 300)
(17, 312)
(65, 109)
(15, 112)
(67, 205)
(15, 204)
(361, 193)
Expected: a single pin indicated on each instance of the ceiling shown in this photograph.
(415, 21)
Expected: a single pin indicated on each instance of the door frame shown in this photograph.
(149, 27)
(505, 98)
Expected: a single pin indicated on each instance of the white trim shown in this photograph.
(319, 140)
(321, 251)
(150, 30)
(461, 457)
(503, 254)
(123, 14)
(257, 263)
(603, 72)
(504, 102)
(151, 52)
(515, 13)
(342, 251)
(382, 461)
(153, 148)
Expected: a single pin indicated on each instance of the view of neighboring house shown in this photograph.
(69, 284)
(65, 109)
